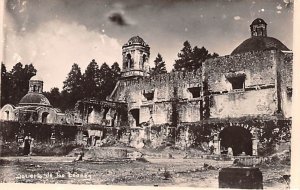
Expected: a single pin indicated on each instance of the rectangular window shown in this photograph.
(195, 91)
(237, 80)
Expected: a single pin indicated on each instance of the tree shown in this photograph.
(159, 66)
(185, 57)
(116, 71)
(19, 81)
(73, 86)
(54, 97)
(192, 59)
(91, 80)
(107, 81)
(5, 85)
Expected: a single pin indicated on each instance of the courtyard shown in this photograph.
(180, 172)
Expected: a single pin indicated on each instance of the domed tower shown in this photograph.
(258, 27)
(36, 84)
(34, 97)
(259, 41)
(135, 58)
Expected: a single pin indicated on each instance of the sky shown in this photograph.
(54, 34)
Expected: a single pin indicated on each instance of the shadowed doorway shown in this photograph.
(238, 138)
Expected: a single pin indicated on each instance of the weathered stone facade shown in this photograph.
(238, 103)
(33, 107)
(229, 103)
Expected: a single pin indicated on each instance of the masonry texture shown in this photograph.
(236, 104)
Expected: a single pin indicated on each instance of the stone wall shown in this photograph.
(286, 69)
(258, 67)
(165, 88)
(47, 139)
(239, 104)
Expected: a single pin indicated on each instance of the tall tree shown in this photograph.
(107, 81)
(91, 80)
(185, 57)
(192, 59)
(54, 97)
(116, 70)
(20, 78)
(73, 86)
(5, 86)
(159, 66)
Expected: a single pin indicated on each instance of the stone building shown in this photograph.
(33, 107)
(229, 103)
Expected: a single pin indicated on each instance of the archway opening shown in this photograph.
(44, 117)
(237, 138)
(136, 116)
(7, 115)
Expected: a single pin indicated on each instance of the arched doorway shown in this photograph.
(7, 114)
(44, 117)
(238, 138)
(136, 116)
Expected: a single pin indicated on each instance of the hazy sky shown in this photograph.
(54, 34)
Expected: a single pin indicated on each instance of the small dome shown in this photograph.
(258, 21)
(36, 78)
(259, 43)
(34, 99)
(136, 40)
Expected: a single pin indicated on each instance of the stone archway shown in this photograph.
(238, 138)
(44, 117)
(135, 113)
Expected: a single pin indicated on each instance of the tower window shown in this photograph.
(195, 91)
(34, 88)
(129, 61)
(148, 94)
(237, 80)
(7, 115)
(144, 60)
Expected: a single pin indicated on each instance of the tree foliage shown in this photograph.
(95, 83)
(14, 84)
(5, 84)
(72, 89)
(191, 58)
(159, 66)
(54, 97)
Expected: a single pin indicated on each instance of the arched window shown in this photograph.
(7, 115)
(34, 88)
(129, 61)
(44, 117)
(144, 60)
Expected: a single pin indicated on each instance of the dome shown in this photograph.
(37, 78)
(259, 43)
(34, 99)
(136, 40)
(258, 21)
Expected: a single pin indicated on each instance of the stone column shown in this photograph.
(254, 146)
(254, 142)
(216, 142)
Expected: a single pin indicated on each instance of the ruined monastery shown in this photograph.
(230, 102)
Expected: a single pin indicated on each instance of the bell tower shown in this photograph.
(35, 85)
(135, 55)
(258, 28)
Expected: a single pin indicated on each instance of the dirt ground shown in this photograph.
(152, 172)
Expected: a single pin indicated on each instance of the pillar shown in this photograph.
(216, 144)
(254, 146)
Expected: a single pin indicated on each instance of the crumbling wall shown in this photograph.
(47, 139)
(95, 116)
(286, 68)
(238, 104)
(7, 113)
(189, 111)
(258, 66)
